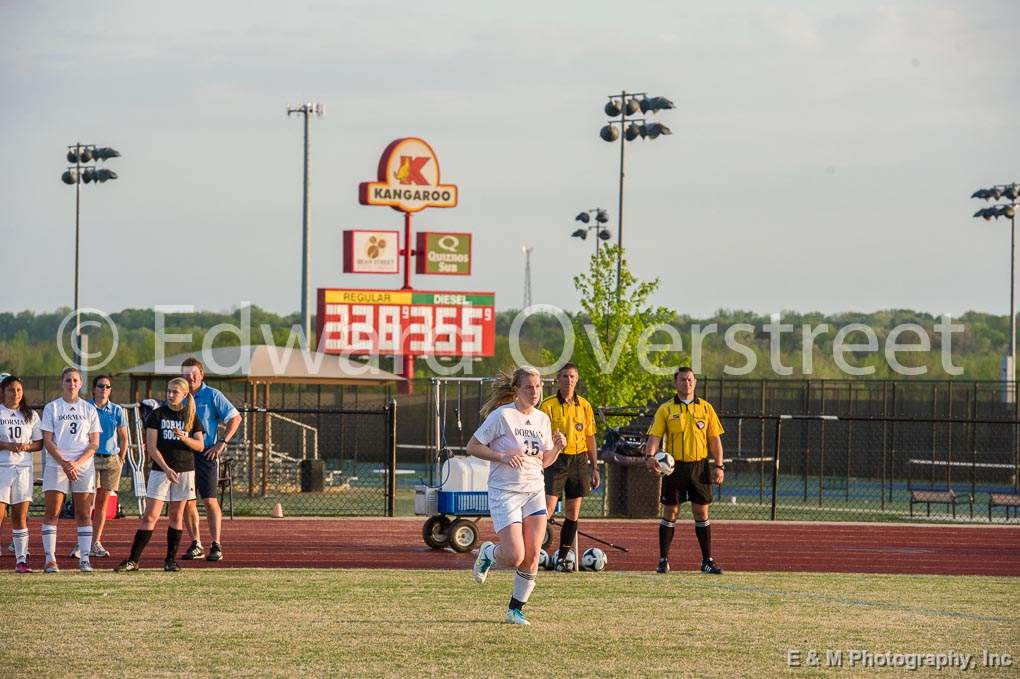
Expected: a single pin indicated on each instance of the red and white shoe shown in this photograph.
(22, 567)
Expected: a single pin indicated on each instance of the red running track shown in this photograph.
(737, 546)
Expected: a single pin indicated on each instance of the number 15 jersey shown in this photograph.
(71, 424)
(506, 430)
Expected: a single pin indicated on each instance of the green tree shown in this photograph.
(620, 339)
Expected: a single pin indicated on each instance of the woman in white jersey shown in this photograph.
(20, 436)
(516, 438)
(71, 430)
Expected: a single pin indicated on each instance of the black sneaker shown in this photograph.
(663, 566)
(215, 552)
(193, 552)
(564, 566)
(708, 566)
(170, 566)
(125, 566)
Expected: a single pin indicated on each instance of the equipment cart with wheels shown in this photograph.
(462, 494)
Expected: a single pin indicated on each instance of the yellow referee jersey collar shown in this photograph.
(559, 397)
(695, 401)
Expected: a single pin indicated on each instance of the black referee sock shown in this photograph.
(142, 538)
(703, 529)
(173, 541)
(666, 530)
(567, 535)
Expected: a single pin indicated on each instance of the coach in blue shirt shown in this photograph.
(212, 409)
(113, 446)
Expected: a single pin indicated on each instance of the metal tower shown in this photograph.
(526, 249)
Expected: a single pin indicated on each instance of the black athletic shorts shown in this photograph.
(569, 474)
(689, 481)
(207, 477)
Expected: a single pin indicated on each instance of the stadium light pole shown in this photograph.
(83, 155)
(630, 107)
(601, 233)
(1008, 210)
(307, 109)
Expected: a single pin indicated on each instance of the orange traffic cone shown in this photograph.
(278, 511)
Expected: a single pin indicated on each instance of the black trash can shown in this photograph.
(312, 473)
(633, 491)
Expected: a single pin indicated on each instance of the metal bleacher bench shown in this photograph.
(1007, 500)
(947, 497)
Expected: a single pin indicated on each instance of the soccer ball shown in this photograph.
(665, 462)
(543, 560)
(594, 559)
(569, 562)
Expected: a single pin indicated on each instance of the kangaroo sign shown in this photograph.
(408, 179)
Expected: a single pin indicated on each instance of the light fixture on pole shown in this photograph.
(601, 232)
(631, 108)
(83, 171)
(307, 109)
(1010, 192)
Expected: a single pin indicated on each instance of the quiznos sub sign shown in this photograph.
(443, 253)
(408, 179)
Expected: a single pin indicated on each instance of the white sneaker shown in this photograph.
(75, 553)
(515, 616)
(98, 550)
(482, 564)
(84, 566)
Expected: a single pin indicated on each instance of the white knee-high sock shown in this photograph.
(524, 583)
(20, 544)
(84, 541)
(49, 541)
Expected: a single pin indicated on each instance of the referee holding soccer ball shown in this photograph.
(692, 431)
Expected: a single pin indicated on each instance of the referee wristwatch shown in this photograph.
(719, 466)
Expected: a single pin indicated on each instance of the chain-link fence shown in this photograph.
(811, 467)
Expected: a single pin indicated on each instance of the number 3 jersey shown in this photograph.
(71, 424)
(507, 430)
(15, 429)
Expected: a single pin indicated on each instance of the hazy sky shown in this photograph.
(822, 154)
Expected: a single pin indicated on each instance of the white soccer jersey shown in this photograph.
(507, 429)
(71, 424)
(14, 429)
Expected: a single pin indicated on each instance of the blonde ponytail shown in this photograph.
(189, 402)
(503, 385)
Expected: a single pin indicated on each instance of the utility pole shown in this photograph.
(306, 109)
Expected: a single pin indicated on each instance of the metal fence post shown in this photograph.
(775, 465)
(391, 435)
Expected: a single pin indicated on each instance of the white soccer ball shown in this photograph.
(665, 462)
(569, 561)
(543, 560)
(594, 559)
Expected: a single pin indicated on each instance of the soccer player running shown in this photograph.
(113, 446)
(173, 438)
(692, 430)
(20, 436)
(575, 473)
(71, 430)
(212, 408)
(517, 440)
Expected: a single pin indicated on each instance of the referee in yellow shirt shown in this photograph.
(692, 432)
(575, 473)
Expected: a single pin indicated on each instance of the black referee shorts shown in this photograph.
(569, 475)
(689, 481)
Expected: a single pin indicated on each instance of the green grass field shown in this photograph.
(439, 623)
